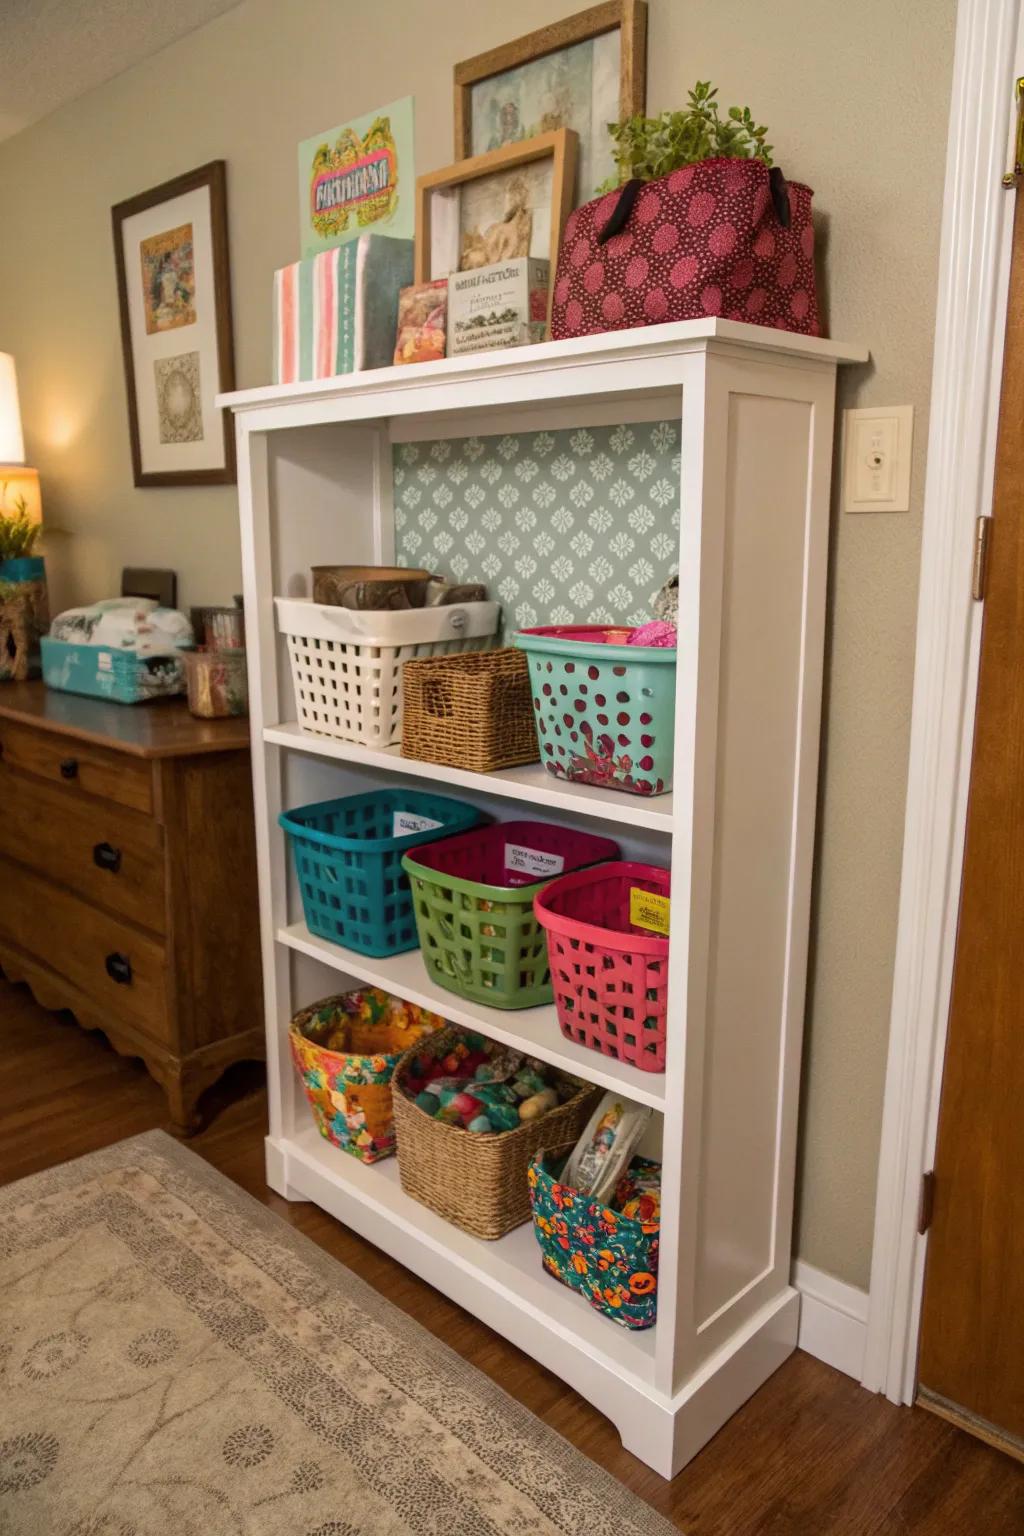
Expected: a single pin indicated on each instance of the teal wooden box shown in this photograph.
(100, 672)
(611, 1259)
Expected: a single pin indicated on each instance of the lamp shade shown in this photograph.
(19, 493)
(12, 444)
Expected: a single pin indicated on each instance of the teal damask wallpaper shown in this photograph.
(580, 525)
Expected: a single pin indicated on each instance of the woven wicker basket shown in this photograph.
(477, 1182)
(472, 711)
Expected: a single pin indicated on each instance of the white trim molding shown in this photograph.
(967, 367)
(833, 1319)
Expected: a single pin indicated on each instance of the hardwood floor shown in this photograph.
(811, 1455)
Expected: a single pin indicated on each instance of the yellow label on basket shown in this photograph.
(647, 910)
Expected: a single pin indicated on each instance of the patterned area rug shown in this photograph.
(174, 1359)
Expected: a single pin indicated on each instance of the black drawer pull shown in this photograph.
(104, 856)
(69, 768)
(119, 969)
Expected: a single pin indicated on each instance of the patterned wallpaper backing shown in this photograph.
(580, 525)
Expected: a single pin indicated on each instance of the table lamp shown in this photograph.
(19, 485)
(23, 603)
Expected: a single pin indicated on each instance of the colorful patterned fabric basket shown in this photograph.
(610, 1258)
(348, 862)
(478, 1183)
(349, 1088)
(606, 711)
(473, 901)
(610, 974)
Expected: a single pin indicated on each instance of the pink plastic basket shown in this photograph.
(610, 976)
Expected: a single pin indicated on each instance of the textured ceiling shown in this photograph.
(52, 51)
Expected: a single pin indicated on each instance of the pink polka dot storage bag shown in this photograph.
(723, 237)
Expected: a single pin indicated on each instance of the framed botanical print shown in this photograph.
(583, 73)
(495, 207)
(171, 252)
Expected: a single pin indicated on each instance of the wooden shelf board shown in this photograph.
(531, 783)
(508, 1271)
(426, 382)
(534, 1030)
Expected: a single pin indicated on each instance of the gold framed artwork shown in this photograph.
(583, 73)
(174, 290)
(511, 202)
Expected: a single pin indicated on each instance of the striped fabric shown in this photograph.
(337, 312)
(314, 302)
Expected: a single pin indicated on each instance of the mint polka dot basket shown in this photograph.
(605, 710)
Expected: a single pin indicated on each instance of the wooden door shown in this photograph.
(972, 1336)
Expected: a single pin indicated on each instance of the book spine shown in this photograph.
(345, 351)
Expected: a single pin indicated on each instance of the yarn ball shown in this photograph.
(657, 632)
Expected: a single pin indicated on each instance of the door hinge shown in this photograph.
(926, 1206)
(979, 573)
(1013, 176)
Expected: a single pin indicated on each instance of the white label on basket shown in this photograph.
(530, 861)
(405, 823)
(105, 662)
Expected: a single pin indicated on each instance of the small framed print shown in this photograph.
(512, 202)
(171, 252)
(582, 72)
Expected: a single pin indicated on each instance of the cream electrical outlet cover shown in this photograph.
(877, 442)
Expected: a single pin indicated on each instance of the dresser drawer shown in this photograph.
(118, 967)
(79, 767)
(112, 857)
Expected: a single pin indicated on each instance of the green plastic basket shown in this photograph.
(606, 712)
(472, 898)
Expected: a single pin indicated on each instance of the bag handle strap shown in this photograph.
(622, 210)
(627, 198)
(780, 196)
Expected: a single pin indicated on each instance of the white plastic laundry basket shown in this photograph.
(347, 664)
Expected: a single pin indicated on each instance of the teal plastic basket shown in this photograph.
(605, 712)
(348, 862)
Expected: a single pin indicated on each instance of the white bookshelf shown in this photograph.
(755, 407)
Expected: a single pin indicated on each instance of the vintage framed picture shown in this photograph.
(511, 202)
(171, 251)
(581, 73)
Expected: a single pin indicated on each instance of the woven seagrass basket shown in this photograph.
(472, 711)
(477, 1182)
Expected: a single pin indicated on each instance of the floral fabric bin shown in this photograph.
(610, 1258)
(345, 1049)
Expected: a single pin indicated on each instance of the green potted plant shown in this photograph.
(24, 610)
(649, 147)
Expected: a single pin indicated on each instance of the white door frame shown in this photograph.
(966, 374)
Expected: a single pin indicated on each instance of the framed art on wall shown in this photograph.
(357, 179)
(583, 73)
(494, 207)
(171, 252)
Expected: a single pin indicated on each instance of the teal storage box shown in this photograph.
(103, 673)
(337, 312)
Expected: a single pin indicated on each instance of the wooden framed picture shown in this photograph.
(511, 202)
(582, 73)
(171, 250)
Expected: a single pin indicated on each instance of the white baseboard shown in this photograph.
(833, 1319)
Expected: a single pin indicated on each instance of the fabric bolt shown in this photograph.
(704, 240)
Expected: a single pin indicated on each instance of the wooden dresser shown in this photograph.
(128, 879)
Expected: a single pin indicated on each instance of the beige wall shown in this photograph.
(856, 98)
